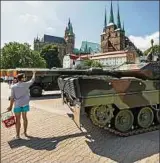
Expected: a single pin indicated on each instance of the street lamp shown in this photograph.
(152, 41)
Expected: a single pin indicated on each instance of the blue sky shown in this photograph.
(23, 20)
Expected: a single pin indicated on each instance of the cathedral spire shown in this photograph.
(123, 26)
(105, 19)
(118, 18)
(111, 20)
(70, 28)
(69, 22)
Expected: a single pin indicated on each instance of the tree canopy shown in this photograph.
(140, 53)
(18, 55)
(50, 54)
(156, 49)
(92, 63)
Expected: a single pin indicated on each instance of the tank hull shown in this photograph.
(112, 97)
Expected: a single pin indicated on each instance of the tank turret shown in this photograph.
(145, 71)
(150, 70)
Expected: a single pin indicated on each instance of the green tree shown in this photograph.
(92, 63)
(140, 53)
(39, 62)
(17, 55)
(97, 64)
(156, 49)
(88, 63)
(50, 54)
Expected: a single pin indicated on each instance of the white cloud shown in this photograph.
(144, 42)
(24, 20)
(27, 18)
(50, 30)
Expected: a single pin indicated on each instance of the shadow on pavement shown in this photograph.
(38, 143)
(46, 97)
(120, 149)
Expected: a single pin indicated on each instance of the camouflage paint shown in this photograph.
(126, 93)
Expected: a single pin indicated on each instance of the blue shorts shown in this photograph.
(21, 109)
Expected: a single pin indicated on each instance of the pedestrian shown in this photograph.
(13, 82)
(20, 98)
(6, 78)
(10, 80)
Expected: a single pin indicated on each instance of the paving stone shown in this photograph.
(56, 139)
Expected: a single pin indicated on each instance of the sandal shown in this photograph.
(26, 135)
(16, 138)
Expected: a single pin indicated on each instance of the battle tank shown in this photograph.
(125, 101)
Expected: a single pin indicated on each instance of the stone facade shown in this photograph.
(65, 44)
(113, 37)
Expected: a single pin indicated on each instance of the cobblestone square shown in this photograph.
(55, 138)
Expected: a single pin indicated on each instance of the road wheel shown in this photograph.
(101, 115)
(145, 117)
(124, 120)
(35, 91)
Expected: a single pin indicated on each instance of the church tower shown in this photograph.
(69, 38)
(120, 33)
(113, 36)
(36, 44)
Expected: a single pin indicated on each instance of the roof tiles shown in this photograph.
(53, 39)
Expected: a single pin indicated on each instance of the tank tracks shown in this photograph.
(134, 132)
(130, 133)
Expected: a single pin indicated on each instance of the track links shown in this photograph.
(130, 133)
(135, 132)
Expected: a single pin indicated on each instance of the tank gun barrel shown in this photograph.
(141, 73)
(70, 72)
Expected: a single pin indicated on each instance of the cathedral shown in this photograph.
(65, 44)
(112, 39)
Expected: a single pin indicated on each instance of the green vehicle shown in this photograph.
(45, 80)
(44, 83)
(125, 101)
